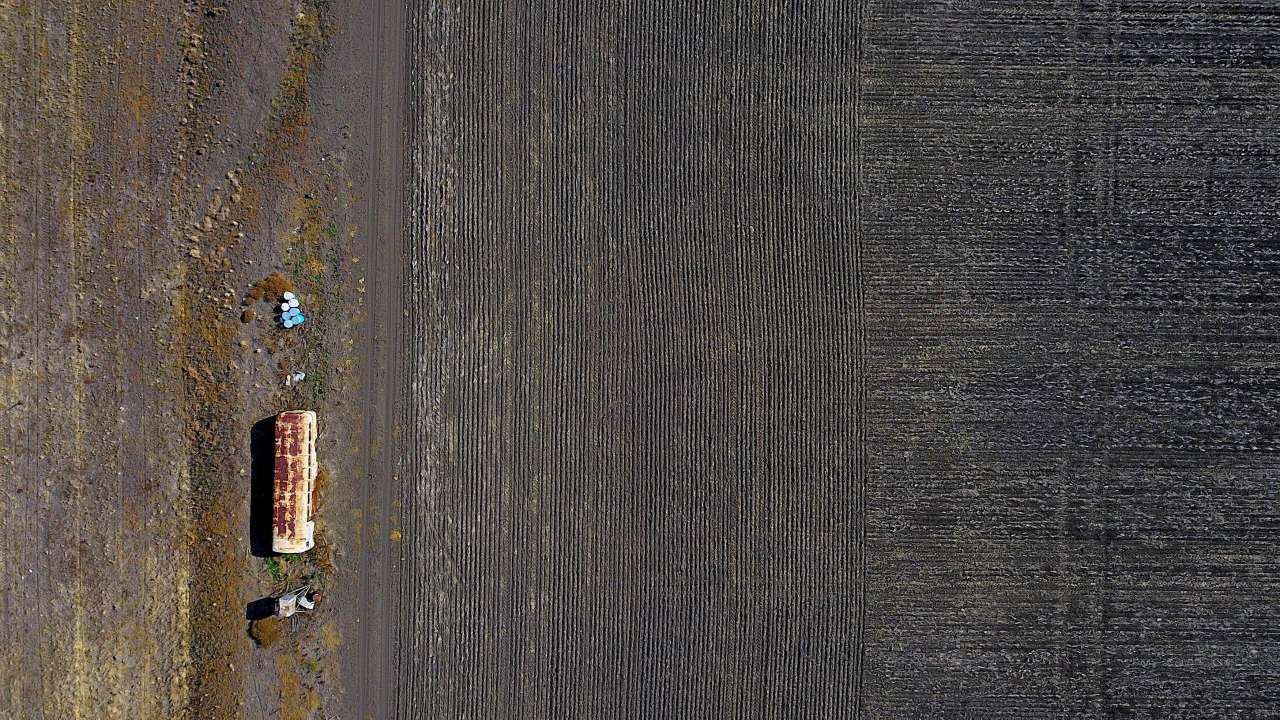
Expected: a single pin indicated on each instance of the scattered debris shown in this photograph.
(300, 600)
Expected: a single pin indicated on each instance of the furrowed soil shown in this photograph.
(858, 359)
(633, 485)
(1071, 353)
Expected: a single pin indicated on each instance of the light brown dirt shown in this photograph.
(94, 480)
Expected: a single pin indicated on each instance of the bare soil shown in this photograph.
(841, 359)
(634, 471)
(169, 170)
(698, 360)
(95, 510)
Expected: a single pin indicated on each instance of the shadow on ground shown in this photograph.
(260, 608)
(262, 449)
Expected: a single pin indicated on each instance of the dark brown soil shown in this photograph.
(632, 469)
(841, 359)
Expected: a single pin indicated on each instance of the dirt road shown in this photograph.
(372, 100)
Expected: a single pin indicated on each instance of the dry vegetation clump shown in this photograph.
(275, 285)
(277, 343)
(321, 556)
(268, 288)
(211, 406)
(299, 698)
(265, 632)
(248, 315)
(321, 492)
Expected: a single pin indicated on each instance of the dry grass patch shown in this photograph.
(266, 632)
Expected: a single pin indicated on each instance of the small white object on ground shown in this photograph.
(287, 604)
(293, 302)
(290, 296)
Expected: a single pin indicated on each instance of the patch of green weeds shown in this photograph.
(273, 568)
(318, 381)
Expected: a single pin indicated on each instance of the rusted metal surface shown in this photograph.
(295, 472)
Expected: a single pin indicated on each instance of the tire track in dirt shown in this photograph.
(50, 584)
(27, 582)
(371, 385)
(18, 547)
(370, 668)
(636, 480)
(860, 359)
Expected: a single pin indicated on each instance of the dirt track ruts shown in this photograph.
(88, 460)
(370, 575)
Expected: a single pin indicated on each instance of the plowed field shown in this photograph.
(880, 359)
(636, 390)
